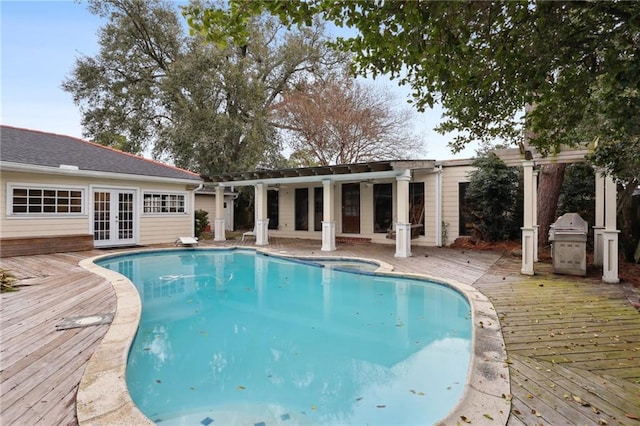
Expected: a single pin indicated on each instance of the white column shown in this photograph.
(328, 220)
(598, 228)
(403, 227)
(610, 234)
(327, 278)
(262, 222)
(528, 232)
(402, 311)
(260, 272)
(218, 227)
(439, 242)
(534, 214)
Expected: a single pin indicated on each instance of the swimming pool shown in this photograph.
(235, 337)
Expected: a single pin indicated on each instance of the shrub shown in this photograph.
(492, 196)
(7, 279)
(201, 219)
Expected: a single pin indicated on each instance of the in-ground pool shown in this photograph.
(234, 337)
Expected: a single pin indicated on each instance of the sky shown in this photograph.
(39, 43)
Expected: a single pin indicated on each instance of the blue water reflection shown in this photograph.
(230, 331)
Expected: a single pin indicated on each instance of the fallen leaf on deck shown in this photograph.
(580, 401)
(488, 416)
(465, 419)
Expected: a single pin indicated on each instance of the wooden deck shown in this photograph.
(41, 367)
(573, 343)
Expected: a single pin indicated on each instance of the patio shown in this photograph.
(573, 343)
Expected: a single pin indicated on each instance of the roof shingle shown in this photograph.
(33, 147)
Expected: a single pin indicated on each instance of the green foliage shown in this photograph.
(485, 61)
(7, 281)
(492, 195)
(201, 220)
(578, 192)
(204, 107)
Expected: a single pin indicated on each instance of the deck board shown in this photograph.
(566, 337)
(42, 367)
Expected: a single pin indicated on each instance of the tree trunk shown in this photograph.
(551, 177)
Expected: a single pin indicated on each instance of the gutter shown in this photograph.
(314, 178)
(66, 170)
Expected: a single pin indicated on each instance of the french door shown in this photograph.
(351, 208)
(114, 222)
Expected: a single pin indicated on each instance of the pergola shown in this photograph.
(401, 170)
(605, 232)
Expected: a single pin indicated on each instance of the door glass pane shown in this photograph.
(382, 207)
(416, 207)
(125, 216)
(302, 209)
(318, 206)
(351, 208)
(101, 216)
(272, 209)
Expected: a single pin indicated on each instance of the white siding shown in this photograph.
(152, 228)
(41, 226)
(207, 202)
(451, 177)
(452, 174)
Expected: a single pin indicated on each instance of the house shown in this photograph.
(206, 200)
(60, 193)
(401, 202)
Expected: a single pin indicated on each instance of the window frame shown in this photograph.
(56, 204)
(383, 203)
(463, 209)
(301, 209)
(162, 194)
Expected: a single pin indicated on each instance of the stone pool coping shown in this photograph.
(103, 398)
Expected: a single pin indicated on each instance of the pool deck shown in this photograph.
(573, 343)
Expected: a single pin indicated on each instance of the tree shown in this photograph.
(484, 61)
(203, 107)
(492, 195)
(340, 120)
(578, 192)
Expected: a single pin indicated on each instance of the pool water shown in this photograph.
(234, 337)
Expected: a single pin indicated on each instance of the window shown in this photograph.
(382, 207)
(318, 206)
(164, 203)
(416, 207)
(272, 208)
(43, 201)
(465, 226)
(302, 209)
